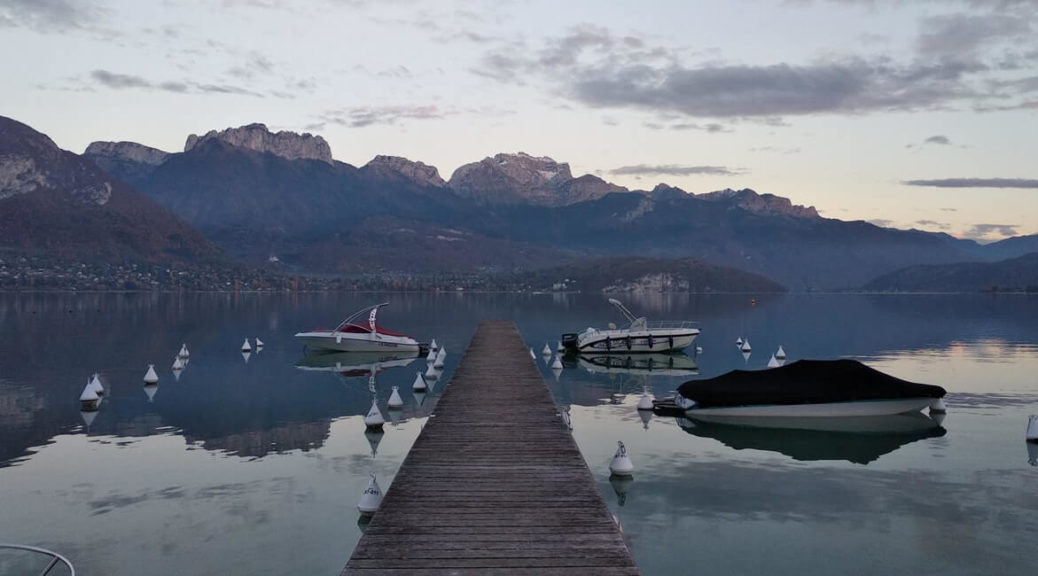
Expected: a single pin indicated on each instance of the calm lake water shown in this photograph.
(254, 466)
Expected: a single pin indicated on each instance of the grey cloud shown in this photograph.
(965, 34)
(975, 183)
(361, 116)
(675, 170)
(982, 231)
(49, 15)
(941, 140)
(118, 81)
(933, 224)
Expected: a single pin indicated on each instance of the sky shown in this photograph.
(910, 114)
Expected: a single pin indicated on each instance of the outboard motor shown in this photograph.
(569, 342)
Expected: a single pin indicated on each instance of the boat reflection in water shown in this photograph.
(636, 364)
(354, 364)
(859, 440)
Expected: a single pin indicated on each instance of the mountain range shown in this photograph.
(261, 196)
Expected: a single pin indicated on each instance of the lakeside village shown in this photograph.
(28, 273)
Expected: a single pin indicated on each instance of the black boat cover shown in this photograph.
(803, 382)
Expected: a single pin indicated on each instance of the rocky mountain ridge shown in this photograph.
(256, 137)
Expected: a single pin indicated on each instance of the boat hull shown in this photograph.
(816, 410)
(347, 342)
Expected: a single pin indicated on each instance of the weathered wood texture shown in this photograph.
(494, 484)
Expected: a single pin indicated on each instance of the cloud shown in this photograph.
(118, 81)
(940, 140)
(986, 231)
(932, 224)
(599, 68)
(50, 15)
(675, 170)
(975, 183)
(361, 116)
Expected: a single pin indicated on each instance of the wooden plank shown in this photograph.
(494, 484)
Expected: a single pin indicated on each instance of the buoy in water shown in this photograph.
(645, 403)
(738, 342)
(432, 373)
(1032, 428)
(259, 343)
(431, 356)
(419, 383)
(245, 346)
(440, 357)
(150, 377)
(371, 499)
(559, 347)
(183, 351)
(374, 418)
(938, 406)
(95, 383)
(395, 401)
(546, 351)
(773, 363)
(781, 354)
(556, 364)
(89, 399)
(621, 464)
(532, 355)
(746, 346)
(178, 364)
(433, 347)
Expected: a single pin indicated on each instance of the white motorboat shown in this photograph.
(359, 333)
(641, 336)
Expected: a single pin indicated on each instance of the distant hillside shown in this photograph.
(57, 204)
(1014, 275)
(645, 275)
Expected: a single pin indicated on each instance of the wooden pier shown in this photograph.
(494, 484)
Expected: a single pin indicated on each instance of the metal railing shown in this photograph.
(54, 556)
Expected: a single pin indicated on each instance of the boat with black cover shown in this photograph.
(803, 389)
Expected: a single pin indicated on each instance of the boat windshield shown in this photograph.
(356, 324)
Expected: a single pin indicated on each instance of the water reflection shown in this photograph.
(859, 440)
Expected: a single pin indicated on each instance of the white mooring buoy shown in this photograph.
(546, 351)
(621, 464)
(178, 364)
(532, 355)
(938, 406)
(1032, 428)
(556, 364)
(419, 383)
(440, 357)
(150, 377)
(433, 347)
(645, 403)
(395, 401)
(431, 356)
(738, 342)
(245, 346)
(559, 347)
(371, 499)
(183, 351)
(746, 346)
(773, 363)
(259, 343)
(432, 373)
(95, 383)
(781, 354)
(374, 418)
(89, 399)
(442, 350)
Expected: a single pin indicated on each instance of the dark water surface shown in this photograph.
(255, 467)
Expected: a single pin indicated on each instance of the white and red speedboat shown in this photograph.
(360, 333)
